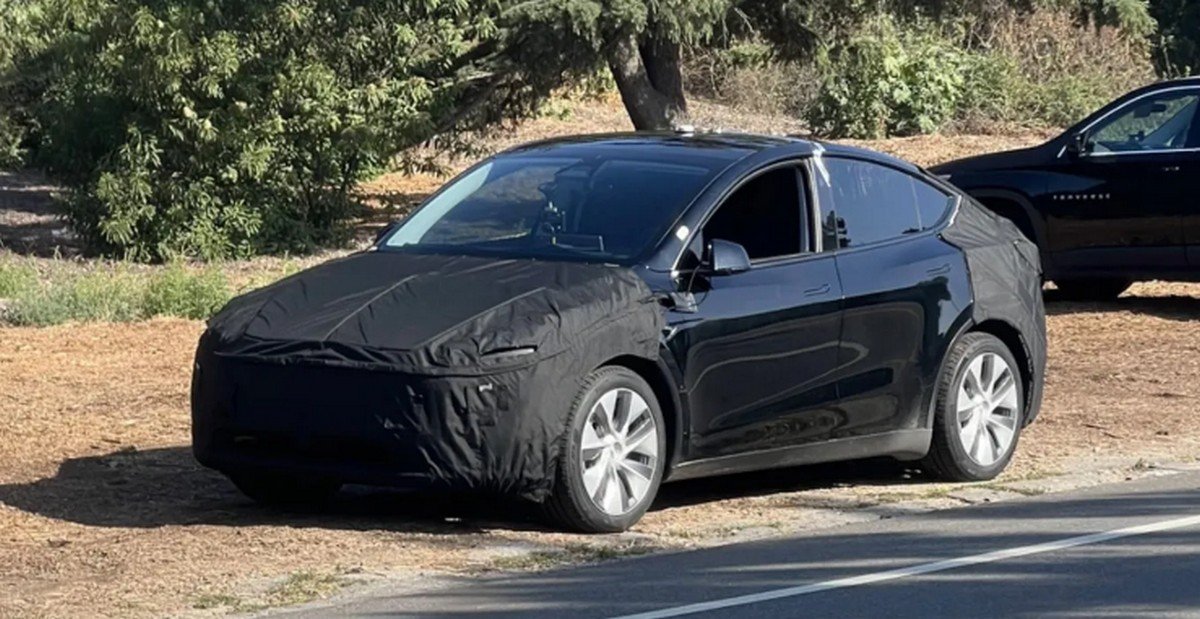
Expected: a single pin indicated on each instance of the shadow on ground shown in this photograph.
(161, 487)
(30, 218)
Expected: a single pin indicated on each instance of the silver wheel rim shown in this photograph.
(988, 409)
(618, 452)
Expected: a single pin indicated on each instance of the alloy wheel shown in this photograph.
(619, 451)
(988, 409)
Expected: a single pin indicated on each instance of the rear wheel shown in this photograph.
(612, 462)
(1091, 289)
(980, 411)
(285, 490)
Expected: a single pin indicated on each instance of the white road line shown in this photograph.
(916, 570)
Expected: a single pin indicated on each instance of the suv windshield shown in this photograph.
(596, 208)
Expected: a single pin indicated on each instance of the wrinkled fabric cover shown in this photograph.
(1006, 283)
(438, 371)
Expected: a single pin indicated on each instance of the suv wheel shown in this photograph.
(612, 463)
(980, 411)
(1091, 289)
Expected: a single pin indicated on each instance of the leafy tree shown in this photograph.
(1178, 51)
(215, 128)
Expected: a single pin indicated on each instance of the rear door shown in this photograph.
(760, 351)
(900, 283)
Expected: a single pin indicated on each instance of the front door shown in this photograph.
(1121, 209)
(758, 354)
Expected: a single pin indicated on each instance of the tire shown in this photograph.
(976, 431)
(605, 484)
(1091, 289)
(285, 491)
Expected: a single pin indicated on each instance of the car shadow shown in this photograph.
(1173, 307)
(166, 487)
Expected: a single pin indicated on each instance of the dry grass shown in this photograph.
(103, 512)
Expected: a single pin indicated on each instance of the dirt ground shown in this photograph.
(102, 510)
(104, 513)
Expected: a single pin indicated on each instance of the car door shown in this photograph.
(758, 353)
(899, 285)
(1125, 212)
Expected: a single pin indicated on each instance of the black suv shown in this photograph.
(1110, 201)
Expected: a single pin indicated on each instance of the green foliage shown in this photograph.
(179, 292)
(120, 293)
(217, 128)
(886, 80)
(16, 278)
(1178, 50)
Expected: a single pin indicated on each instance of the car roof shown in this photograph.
(732, 147)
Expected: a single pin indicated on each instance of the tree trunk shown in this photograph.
(650, 80)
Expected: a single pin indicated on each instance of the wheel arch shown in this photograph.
(1015, 206)
(1011, 337)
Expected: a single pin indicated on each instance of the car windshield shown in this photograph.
(596, 208)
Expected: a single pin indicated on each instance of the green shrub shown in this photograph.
(179, 292)
(215, 128)
(887, 80)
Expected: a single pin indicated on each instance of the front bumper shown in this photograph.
(373, 427)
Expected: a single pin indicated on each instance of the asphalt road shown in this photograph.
(1128, 550)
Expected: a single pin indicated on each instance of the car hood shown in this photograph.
(430, 312)
(1006, 160)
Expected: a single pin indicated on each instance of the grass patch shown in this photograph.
(62, 292)
(16, 278)
(571, 554)
(302, 587)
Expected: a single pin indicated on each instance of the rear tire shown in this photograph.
(1091, 289)
(613, 454)
(285, 490)
(980, 411)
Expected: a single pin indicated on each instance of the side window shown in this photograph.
(765, 216)
(875, 203)
(932, 203)
(1157, 122)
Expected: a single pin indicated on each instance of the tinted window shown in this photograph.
(596, 208)
(764, 216)
(932, 203)
(875, 203)
(1157, 122)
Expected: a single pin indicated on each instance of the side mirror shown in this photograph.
(384, 231)
(727, 257)
(1078, 146)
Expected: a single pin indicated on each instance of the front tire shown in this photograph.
(612, 462)
(1091, 289)
(980, 411)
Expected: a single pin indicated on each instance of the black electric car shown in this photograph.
(1111, 201)
(576, 321)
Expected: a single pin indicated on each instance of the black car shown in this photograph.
(575, 321)
(1111, 201)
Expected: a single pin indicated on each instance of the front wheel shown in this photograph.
(980, 411)
(612, 460)
(1091, 289)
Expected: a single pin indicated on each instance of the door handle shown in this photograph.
(819, 290)
(939, 270)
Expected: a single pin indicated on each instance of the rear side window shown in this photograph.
(876, 203)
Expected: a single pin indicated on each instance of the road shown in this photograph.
(1128, 550)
